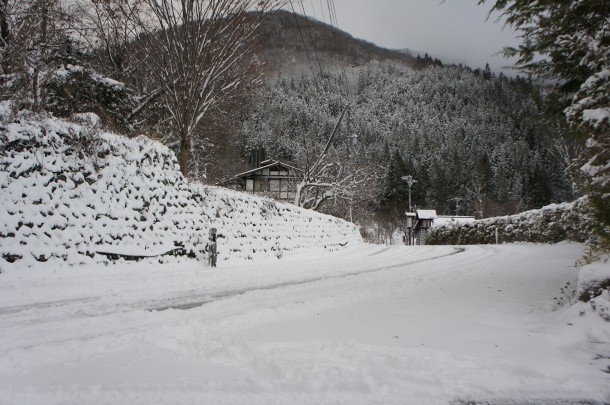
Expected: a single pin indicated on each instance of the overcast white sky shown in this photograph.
(455, 31)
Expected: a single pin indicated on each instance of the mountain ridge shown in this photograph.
(288, 35)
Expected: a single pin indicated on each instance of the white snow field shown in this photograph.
(368, 325)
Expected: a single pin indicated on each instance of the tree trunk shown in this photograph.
(5, 33)
(184, 154)
(39, 99)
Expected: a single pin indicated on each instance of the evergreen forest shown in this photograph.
(474, 142)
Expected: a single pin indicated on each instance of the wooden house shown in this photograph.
(272, 179)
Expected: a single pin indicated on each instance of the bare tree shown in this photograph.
(6, 32)
(109, 29)
(339, 179)
(316, 186)
(194, 50)
(31, 31)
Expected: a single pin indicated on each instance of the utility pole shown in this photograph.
(409, 235)
(457, 205)
(409, 180)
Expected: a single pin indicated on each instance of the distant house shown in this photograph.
(272, 179)
(423, 220)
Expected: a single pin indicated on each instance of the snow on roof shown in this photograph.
(267, 164)
(426, 214)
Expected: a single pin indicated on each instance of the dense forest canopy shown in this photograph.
(471, 140)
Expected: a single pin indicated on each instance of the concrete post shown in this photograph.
(213, 252)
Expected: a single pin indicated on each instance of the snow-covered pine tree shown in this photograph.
(569, 42)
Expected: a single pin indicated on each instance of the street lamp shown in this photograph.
(409, 236)
(409, 180)
(457, 204)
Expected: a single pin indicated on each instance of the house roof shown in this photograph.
(426, 214)
(266, 164)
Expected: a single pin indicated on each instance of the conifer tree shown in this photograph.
(569, 41)
(394, 189)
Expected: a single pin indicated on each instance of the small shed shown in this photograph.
(272, 179)
(424, 219)
(411, 220)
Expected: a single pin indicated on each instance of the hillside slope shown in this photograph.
(465, 135)
(71, 193)
(289, 38)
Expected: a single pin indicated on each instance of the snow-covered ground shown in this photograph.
(369, 325)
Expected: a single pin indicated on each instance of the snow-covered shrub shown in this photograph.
(551, 224)
(70, 193)
(594, 278)
(74, 89)
(594, 286)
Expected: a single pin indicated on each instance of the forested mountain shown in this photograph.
(469, 138)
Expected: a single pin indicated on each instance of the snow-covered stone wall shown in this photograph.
(70, 193)
(551, 224)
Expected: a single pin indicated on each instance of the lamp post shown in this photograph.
(409, 180)
(457, 204)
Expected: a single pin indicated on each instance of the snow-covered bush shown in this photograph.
(74, 89)
(594, 285)
(551, 224)
(69, 193)
(594, 277)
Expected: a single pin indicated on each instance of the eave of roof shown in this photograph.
(270, 165)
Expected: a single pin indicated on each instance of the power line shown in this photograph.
(333, 22)
(296, 19)
(312, 40)
(342, 55)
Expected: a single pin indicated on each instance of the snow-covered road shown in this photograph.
(387, 325)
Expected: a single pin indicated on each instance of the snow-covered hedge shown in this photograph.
(551, 224)
(69, 192)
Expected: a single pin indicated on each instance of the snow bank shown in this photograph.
(594, 280)
(551, 224)
(70, 192)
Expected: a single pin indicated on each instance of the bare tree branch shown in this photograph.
(194, 51)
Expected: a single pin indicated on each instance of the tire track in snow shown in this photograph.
(19, 308)
(200, 301)
(64, 310)
(206, 298)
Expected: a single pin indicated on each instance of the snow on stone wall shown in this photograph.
(69, 192)
(551, 224)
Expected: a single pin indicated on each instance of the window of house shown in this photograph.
(274, 186)
(260, 185)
